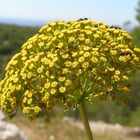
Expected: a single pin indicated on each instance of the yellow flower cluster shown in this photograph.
(66, 62)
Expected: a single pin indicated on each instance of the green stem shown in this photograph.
(84, 118)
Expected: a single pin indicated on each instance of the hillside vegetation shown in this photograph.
(11, 39)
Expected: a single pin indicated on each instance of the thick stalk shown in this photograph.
(84, 118)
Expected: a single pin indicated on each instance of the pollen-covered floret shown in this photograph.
(66, 62)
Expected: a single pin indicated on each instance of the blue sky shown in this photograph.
(108, 11)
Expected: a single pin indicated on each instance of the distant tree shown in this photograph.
(136, 35)
(134, 104)
(136, 31)
(138, 12)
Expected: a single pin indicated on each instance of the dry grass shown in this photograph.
(62, 130)
(54, 130)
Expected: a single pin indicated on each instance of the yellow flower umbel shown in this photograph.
(66, 62)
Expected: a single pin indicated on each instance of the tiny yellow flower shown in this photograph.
(116, 78)
(54, 39)
(95, 53)
(86, 48)
(77, 26)
(52, 77)
(54, 84)
(61, 79)
(29, 94)
(47, 73)
(96, 35)
(103, 42)
(29, 101)
(81, 52)
(24, 99)
(117, 72)
(29, 75)
(87, 27)
(47, 95)
(60, 45)
(74, 54)
(16, 80)
(68, 82)
(116, 31)
(49, 29)
(74, 64)
(26, 110)
(68, 63)
(31, 66)
(103, 59)
(49, 44)
(29, 46)
(136, 59)
(14, 62)
(94, 71)
(111, 68)
(125, 77)
(65, 70)
(40, 69)
(53, 91)
(71, 39)
(69, 31)
(37, 109)
(85, 65)
(88, 32)
(79, 72)
(125, 89)
(24, 52)
(24, 75)
(13, 88)
(18, 87)
(47, 85)
(81, 37)
(94, 60)
(137, 50)
(61, 35)
(40, 44)
(65, 56)
(51, 64)
(86, 54)
(43, 60)
(52, 24)
(24, 58)
(26, 93)
(55, 59)
(81, 59)
(87, 41)
(123, 58)
(62, 89)
(113, 52)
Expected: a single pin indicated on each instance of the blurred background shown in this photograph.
(20, 20)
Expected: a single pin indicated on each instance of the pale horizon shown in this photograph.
(110, 12)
